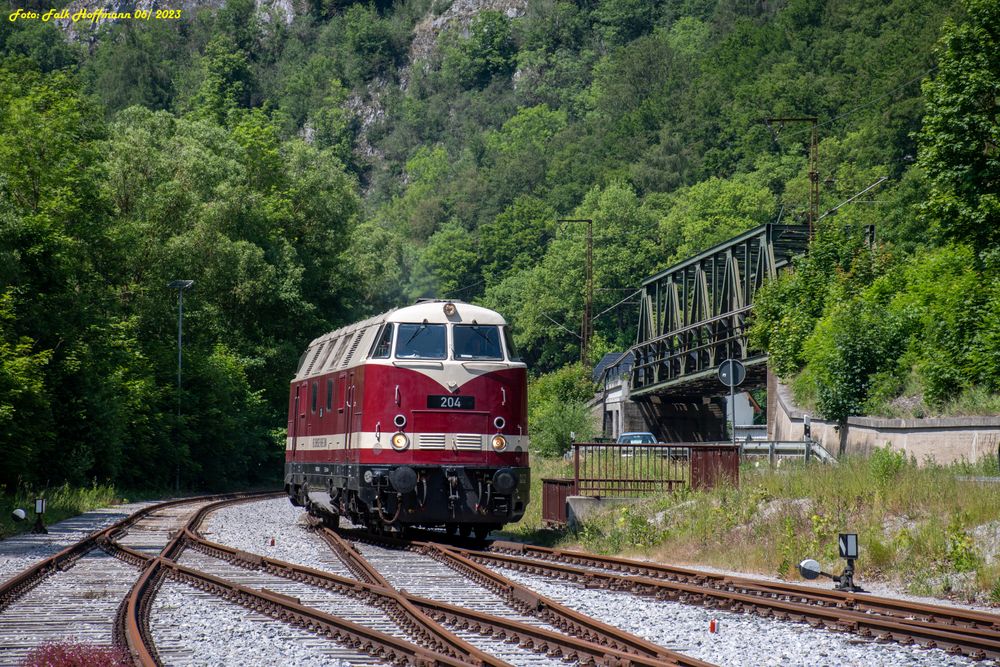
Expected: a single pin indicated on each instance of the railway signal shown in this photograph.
(39, 527)
(847, 546)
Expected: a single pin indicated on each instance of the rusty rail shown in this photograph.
(974, 634)
(586, 639)
(17, 586)
(280, 607)
(902, 609)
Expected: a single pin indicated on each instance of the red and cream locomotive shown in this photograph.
(417, 416)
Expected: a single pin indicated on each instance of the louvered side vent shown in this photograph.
(339, 350)
(468, 441)
(430, 441)
(312, 362)
(354, 348)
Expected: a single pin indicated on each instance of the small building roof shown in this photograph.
(619, 360)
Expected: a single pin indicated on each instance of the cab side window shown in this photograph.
(383, 343)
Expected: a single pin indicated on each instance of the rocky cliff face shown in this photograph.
(459, 14)
(85, 27)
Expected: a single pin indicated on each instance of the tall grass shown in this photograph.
(62, 502)
(920, 527)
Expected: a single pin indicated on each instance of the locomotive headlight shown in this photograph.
(449, 309)
(499, 443)
(399, 441)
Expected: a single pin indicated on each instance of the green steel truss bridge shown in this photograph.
(694, 315)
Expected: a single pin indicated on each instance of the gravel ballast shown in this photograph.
(742, 640)
(252, 526)
(23, 551)
(191, 627)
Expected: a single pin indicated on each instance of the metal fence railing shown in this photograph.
(613, 470)
(633, 470)
(774, 450)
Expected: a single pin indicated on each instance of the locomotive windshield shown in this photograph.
(421, 341)
(476, 341)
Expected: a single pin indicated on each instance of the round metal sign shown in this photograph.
(732, 373)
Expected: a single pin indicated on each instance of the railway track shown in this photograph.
(538, 624)
(971, 633)
(75, 593)
(378, 600)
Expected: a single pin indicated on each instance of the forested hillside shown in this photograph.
(309, 163)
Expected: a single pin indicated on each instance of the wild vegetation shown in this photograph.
(920, 528)
(305, 174)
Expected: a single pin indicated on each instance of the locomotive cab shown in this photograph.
(414, 417)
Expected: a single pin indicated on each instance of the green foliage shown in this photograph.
(557, 407)
(25, 417)
(447, 264)
(960, 550)
(368, 39)
(226, 81)
(958, 141)
(515, 239)
(886, 463)
(488, 51)
(855, 341)
(713, 211)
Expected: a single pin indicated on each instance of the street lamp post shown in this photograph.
(180, 286)
(589, 296)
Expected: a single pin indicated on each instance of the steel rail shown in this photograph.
(396, 606)
(716, 590)
(585, 637)
(528, 636)
(283, 608)
(289, 610)
(24, 581)
(132, 623)
(566, 619)
(902, 610)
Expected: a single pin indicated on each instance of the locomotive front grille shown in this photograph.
(430, 441)
(469, 441)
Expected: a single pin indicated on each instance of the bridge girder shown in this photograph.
(694, 315)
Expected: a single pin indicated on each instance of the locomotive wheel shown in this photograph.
(451, 529)
(465, 529)
(482, 530)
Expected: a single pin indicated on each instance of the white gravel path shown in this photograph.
(742, 640)
(22, 551)
(191, 627)
(251, 526)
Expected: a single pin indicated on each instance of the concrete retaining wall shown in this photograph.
(943, 440)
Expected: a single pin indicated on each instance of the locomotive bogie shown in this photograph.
(414, 417)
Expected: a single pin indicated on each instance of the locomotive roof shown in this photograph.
(348, 346)
(433, 312)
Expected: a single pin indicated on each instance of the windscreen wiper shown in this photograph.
(416, 333)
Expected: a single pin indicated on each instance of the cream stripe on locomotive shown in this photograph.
(462, 442)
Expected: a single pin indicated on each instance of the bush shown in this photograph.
(554, 421)
(557, 406)
(885, 463)
(850, 346)
(77, 655)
